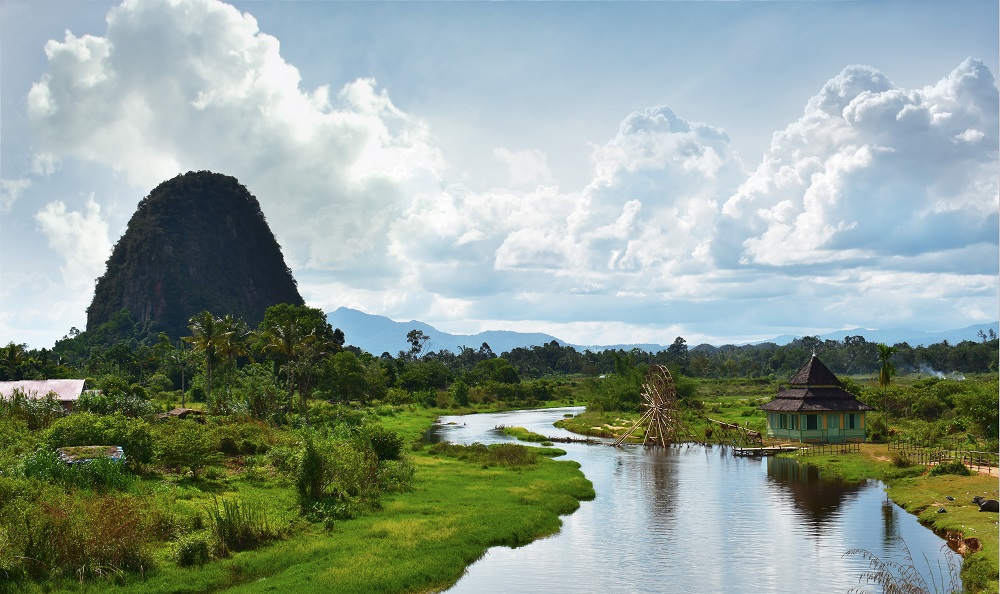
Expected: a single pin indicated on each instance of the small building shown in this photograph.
(65, 391)
(815, 408)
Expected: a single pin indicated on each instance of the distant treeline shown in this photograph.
(127, 349)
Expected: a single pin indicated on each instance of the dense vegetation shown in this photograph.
(198, 241)
(303, 436)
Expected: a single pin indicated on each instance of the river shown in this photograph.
(696, 519)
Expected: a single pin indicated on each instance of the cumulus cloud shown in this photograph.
(80, 239)
(874, 191)
(871, 172)
(177, 85)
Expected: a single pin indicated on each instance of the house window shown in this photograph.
(812, 422)
(850, 421)
(833, 421)
(794, 422)
(782, 421)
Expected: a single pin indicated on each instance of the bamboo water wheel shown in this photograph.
(661, 423)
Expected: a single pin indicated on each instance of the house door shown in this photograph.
(833, 432)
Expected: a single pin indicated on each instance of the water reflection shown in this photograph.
(820, 501)
(695, 519)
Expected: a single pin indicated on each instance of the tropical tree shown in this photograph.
(886, 369)
(209, 336)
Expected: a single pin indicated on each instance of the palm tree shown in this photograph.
(210, 336)
(886, 368)
(886, 371)
(281, 338)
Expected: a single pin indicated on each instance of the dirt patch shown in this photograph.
(958, 543)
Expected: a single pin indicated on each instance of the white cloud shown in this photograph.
(526, 168)
(81, 241)
(871, 172)
(179, 85)
(872, 193)
(10, 191)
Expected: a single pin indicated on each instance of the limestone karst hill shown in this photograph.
(197, 242)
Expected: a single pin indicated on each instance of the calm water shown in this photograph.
(697, 520)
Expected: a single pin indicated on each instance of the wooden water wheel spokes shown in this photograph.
(661, 420)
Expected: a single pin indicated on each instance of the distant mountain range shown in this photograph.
(379, 334)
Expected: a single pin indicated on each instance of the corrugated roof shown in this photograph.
(66, 390)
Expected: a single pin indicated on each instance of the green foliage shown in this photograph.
(239, 525)
(954, 467)
(128, 404)
(60, 534)
(103, 474)
(190, 549)
(246, 438)
(185, 445)
(504, 454)
(387, 444)
(37, 413)
(133, 435)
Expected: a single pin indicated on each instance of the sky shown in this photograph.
(605, 172)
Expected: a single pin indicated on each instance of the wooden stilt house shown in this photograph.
(815, 408)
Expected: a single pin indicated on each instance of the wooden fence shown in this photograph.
(830, 448)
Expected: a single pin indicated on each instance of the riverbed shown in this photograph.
(697, 519)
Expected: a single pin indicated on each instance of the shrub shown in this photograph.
(70, 535)
(130, 404)
(186, 445)
(395, 476)
(38, 413)
(190, 549)
(133, 435)
(243, 438)
(953, 467)
(101, 474)
(386, 444)
(239, 526)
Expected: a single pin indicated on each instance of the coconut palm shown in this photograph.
(210, 336)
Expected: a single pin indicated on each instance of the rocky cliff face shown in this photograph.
(198, 242)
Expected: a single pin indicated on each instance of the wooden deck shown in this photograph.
(763, 451)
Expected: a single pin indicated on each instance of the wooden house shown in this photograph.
(815, 408)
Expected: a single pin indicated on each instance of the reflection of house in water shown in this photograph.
(819, 499)
(814, 408)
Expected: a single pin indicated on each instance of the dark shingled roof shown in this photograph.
(814, 373)
(814, 389)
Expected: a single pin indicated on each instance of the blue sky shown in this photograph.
(604, 172)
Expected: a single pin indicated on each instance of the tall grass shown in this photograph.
(238, 525)
(904, 578)
(102, 474)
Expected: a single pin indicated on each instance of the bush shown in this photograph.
(186, 445)
(395, 476)
(953, 467)
(243, 438)
(386, 444)
(190, 549)
(37, 413)
(69, 535)
(102, 473)
(130, 404)
(133, 435)
(239, 526)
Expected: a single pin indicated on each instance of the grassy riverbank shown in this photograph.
(972, 533)
(463, 501)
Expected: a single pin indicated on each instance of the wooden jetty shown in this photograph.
(762, 451)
